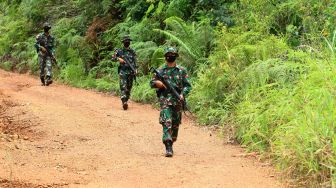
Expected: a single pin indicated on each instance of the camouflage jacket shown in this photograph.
(45, 41)
(127, 54)
(179, 79)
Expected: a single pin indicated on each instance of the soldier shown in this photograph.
(171, 107)
(127, 58)
(45, 46)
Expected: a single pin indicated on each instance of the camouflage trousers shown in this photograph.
(125, 83)
(170, 119)
(45, 63)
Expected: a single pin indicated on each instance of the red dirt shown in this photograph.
(79, 138)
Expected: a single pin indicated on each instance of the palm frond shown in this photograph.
(177, 24)
(177, 40)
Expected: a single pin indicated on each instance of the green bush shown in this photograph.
(294, 123)
(104, 85)
(12, 31)
(142, 92)
(8, 66)
(73, 74)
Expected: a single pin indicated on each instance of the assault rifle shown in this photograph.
(171, 89)
(127, 61)
(51, 55)
(53, 58)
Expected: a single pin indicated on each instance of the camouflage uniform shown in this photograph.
(126, 75)
(42, 40)
(171, 108)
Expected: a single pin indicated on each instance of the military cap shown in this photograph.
(46, 26)
(126, 38)
(171, 50)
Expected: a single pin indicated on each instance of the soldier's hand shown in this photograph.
(43, 49)
(121, 60)
(181, 97)
(160, 85)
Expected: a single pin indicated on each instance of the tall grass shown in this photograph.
(280, 100)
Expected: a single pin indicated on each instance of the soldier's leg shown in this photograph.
(123, 89)
(42, 64)
(176, 120)
(123, 86)
(166, 121)
(49, 67)
(49, 71)
(129, 85)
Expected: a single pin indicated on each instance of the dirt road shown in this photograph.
(60, 136)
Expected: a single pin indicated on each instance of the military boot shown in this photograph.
(124, 104)
(48, 81)
(43, 81)
(169, 149)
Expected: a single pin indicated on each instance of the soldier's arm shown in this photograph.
(37, 43)
(186, 83)
(116, 55)
(135, 60)
(135, 64)
(156, 83)
(53, 45)
(153, 81)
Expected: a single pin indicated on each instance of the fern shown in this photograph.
(179, 41)
(195, 40)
